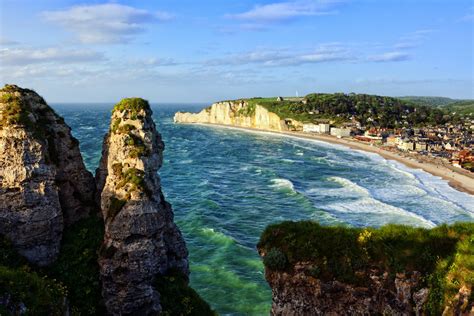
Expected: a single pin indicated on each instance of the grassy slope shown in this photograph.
(445, 254)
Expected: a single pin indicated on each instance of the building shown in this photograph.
(310, 128)
(406, 145)
(340, 132)
(316, 128)
(421, 146)
(324, 128)
(393, 140)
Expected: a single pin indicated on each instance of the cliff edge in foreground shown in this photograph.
(44, 184)
(141, 240)
(394, 270)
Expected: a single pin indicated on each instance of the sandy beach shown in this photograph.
(461, 180)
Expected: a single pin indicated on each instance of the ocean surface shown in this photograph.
(227, 185)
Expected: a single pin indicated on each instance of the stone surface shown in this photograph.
(299, 293)
(141, 239)
(43, 181)
(233, 113)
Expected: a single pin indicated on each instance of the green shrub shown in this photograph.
(275, 259)
(132, 105)
(177, 298)
(134, 177)
(115, 124)
(126, 128)
(40, 295)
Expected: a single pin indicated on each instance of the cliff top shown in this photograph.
(24, 107)
(134, 105)
(444, 255)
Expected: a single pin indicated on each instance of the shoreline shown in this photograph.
(457, 180)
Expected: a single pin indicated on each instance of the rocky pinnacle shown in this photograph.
(141, 240)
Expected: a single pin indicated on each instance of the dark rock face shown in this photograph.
(298, 293)
(44, 184)
(141, 240)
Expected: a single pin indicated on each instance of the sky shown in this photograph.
(205, 51)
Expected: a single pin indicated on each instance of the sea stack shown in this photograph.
(44, 185)
(141, 240)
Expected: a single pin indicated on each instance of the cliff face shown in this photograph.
(235, 113)
(141, 240)
(299, 293)
(43, 182)
(394, 270)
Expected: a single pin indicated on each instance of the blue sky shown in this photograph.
(203, 51)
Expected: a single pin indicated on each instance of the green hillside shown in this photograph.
(462, 107)
(370, 110)
(428, 101)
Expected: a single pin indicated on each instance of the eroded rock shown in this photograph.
(141, 240)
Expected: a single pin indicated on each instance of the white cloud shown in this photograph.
(286, 10)
(390, 56)
(413, 39)
(105, 23)
(24, 56)
(7, 42)
(274, 57)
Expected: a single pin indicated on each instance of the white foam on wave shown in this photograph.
(217, 236)
(439, 188)
(354, 199)
(282, 184)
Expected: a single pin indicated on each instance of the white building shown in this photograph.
(340, 132)
(324, 128)
(310, 128)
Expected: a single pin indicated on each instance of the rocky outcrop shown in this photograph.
(236, 113)
(393, 270)
(44, 185)
(141, 240)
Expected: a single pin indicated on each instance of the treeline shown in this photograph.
(369, 110)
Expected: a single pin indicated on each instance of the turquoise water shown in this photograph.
(227, 185)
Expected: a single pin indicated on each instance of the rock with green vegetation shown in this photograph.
(141, 241)
(44, 185)
(392, 270)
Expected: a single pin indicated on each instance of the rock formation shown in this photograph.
(141, 241)
(236, 113)
(44, 185)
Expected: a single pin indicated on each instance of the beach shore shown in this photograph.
(459, 179)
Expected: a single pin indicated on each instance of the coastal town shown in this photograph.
(451, 145)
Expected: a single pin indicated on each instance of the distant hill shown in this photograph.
(461, 107)
(465, 107)
(429, 101)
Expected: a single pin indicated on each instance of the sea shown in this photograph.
(226, 185)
